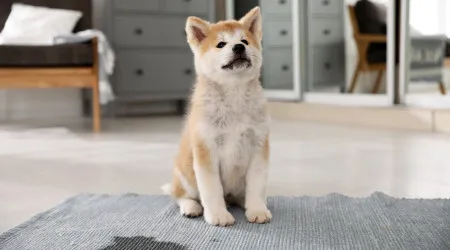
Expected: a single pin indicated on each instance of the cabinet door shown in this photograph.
(328, 65)
(278, 69)
(153, 5)
(278, 32)
(276, 7)
(154, 71)
(191, 7)
(147, 31)
(325, 6)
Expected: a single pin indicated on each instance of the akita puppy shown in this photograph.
(224, 150)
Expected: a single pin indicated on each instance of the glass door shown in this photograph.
(349, 52)
(425, 53)
(280, 74)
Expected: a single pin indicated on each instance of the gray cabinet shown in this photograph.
(144, 71)
(279, 32)
(321, 42)
(277, 7)
(325, 44)
(277, 72)
(277, 69)
(154, 61)
(325, 7)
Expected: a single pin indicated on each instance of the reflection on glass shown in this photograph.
(429, 55)
(369, 23)
(325, 46)
(278, 71)
(348, 47)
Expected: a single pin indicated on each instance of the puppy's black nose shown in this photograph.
(238, 48)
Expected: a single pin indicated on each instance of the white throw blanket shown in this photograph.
(106, 59)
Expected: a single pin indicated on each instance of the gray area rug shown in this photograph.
(141, 222)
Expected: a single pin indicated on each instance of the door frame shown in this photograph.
(370, 100)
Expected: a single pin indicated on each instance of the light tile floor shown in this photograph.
(40, 168)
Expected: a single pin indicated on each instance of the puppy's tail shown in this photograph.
(167, 189)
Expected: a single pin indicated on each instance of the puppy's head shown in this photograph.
(227, 49)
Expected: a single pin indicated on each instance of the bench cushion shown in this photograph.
(64, 55)
(85, 6)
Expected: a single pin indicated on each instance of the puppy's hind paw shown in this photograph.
(190, 208)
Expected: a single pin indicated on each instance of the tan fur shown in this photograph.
(191, 142)
(184, 165)
(177, 189)
(266, 149)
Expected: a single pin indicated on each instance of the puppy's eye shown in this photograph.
(221, 45)
(245, 42)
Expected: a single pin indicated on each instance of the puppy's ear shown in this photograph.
(252, 22)
(196, 30)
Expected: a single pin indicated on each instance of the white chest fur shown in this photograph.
(234, 126)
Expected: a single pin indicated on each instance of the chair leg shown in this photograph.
(96, 112)
(377, 85)
(442, 88)
(354, 79)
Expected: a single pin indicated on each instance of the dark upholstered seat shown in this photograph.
(66, 55)
(371, 19)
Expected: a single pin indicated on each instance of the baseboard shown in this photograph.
(387, 117)
(442, 121)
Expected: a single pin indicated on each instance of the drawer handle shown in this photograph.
(187, 1)
(188, 72)
(326, 2)
(283, 32)
(327, 65)
(285, 67)
(282, 1)
(326, 32)
(138, 31)
(139, 72)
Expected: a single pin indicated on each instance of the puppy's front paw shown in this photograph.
(221, 218)
(190, 208)
(258, 215)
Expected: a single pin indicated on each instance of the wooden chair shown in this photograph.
(441, 84)
(55, 77)
(362, 43)
(58, 66)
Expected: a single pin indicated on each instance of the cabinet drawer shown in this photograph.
(147, 31)
(325, 6)
(278, 69)
(326, 31)
(155, 71)
(150, 5)
(185, 6)
(328, 63)
(278, 32)
(277, 7)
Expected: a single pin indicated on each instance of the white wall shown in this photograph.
(31, 104)
(430, 17)
(365, 80)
